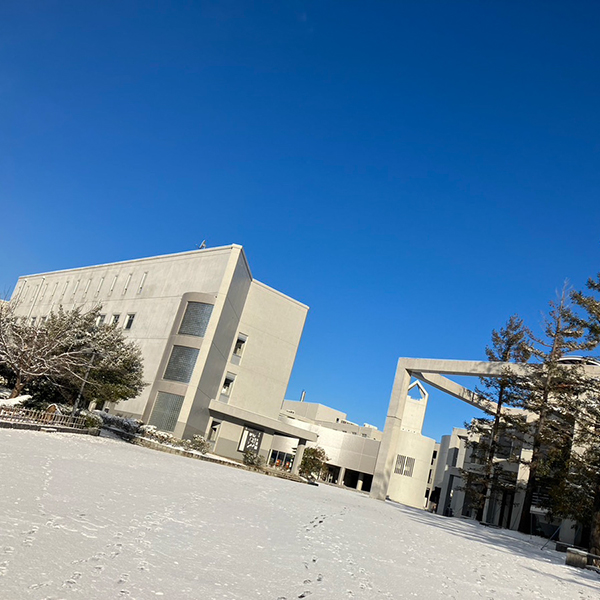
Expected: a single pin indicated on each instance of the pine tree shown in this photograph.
(550, 393)
(581, 487)
(509, 344)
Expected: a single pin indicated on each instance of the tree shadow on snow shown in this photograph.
(502, 540)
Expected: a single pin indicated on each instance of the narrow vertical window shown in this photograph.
(76, 286)
(99, 286)
(115, 319)
(127, 283)
(87, 287)
(112, 286)
(142, 282)
(54, 290)
(129, 321)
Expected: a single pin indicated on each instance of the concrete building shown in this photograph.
(218, 346)
(352, 449)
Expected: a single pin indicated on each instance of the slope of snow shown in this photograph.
(95, 518)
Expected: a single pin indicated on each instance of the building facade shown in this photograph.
(352, 450)
(218, 346)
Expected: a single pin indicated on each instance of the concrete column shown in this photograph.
(340, 480)
(360, 482)
(391, 434)
(298, 457)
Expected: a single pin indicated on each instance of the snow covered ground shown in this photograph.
(95, 518)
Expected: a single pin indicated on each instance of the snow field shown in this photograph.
(96, 518)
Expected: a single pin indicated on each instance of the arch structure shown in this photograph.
(433, 372)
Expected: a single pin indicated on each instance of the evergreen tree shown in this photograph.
(69, 355)
(581, 488)
(551, 393)
(312, 463)
(509, 344)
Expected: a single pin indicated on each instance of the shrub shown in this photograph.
(124, 424)
(197, 443)
(92, 420)
(313, 461)
(252, 459)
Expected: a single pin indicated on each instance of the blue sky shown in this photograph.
(416, 172)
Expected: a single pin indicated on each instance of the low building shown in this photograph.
(352, 449)
(218, 346)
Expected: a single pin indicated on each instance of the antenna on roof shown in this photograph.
(202, 245)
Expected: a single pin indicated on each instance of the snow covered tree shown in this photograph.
(55, 357)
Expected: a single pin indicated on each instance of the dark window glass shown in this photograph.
(181, 364)
(195, 320)
(166, 411)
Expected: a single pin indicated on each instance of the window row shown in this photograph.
(51, 290)
(115, 319)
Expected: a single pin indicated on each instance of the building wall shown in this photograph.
(273, 324)
(157, 291)
(165, 280)
(409, 485)
(314, 411)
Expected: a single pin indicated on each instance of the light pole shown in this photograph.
(85, 379)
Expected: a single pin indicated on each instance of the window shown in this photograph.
(213, 432)
(166, 411)
(227, 385)
(129, 322)
(101, 319)
(142, 282)
(405, 465)
(32, 321)
(127, 283)
(76, 287)
(99, 286)
(195, 320)
(43, 320)
(181, 364)
(87, 287)
(115, 319)
(112, 286)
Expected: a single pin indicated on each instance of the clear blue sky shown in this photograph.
(416, 171)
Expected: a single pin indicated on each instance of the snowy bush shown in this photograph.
(150, 432)
(197, 443)
(92, 420)
(122, 423)
(253, 460)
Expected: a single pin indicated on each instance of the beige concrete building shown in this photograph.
(352, 450)
(218, 346)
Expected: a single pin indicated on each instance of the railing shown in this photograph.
(15, 414)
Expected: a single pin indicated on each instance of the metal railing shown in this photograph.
(14, 414)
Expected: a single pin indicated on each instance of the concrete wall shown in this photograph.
(273, 324)
(314, 411)
(410, 490)
(165, 280)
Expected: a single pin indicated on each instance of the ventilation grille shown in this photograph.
(405, 465)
